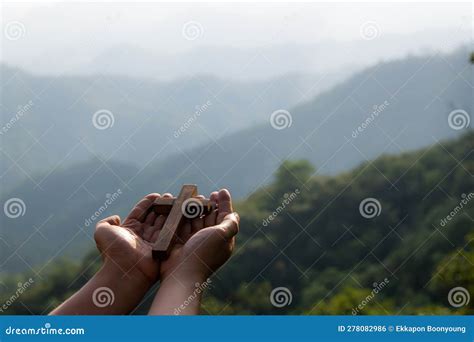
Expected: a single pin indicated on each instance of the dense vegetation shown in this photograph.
(319, 246)
(414, 97)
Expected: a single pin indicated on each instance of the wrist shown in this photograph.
(186, 274)
(113, 273)
(180, 294)
(186, 278)
(111, 291)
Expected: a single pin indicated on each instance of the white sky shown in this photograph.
(87, 28)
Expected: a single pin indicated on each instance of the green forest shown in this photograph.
(99, 162)
(306, 232)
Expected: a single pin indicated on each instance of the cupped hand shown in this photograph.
(202, 246)
(205, 243)
(128, 244)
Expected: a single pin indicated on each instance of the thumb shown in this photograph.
(230, 225)
(113, 220)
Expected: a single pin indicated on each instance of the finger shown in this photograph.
(224, 202)
(210, 219)
(157, 226)
(213, 196)
(141, 207)
(159, 221)
(230, 225)
(154, 237)
(148, 229)
(167, 195)
(198, 222)
(150, 219)
(113, 220)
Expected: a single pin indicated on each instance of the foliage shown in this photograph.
(323, 250)
(65, 190)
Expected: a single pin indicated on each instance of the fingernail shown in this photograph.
(237, 216)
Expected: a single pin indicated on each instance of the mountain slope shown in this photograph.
(246, 160)
(414, 97)
(58, 218)
(327, 251)
(137, 119)
(324, 241)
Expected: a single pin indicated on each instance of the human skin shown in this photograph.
(129, 271)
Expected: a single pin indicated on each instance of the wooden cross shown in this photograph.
(178, 209)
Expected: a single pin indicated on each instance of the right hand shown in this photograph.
(205, 244)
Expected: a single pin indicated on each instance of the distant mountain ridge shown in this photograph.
(140, 116)
(414, 98)
(249, 63)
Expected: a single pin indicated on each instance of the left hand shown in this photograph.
(128, 244)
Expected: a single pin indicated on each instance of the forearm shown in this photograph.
(109, 292)
(179, 295)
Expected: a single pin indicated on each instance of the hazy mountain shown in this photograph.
(48, 122)
(413, 99)
(420, 93)
(270, 61)
(51, 220)
(241, 62)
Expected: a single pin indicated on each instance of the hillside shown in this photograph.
(54, 215)
(414, 97)
(144, 117)
(327, 251)
(241, 161)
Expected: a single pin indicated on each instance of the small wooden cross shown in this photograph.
(178, 209)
